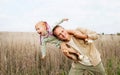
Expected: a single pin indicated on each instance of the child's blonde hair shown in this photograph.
(42, 22)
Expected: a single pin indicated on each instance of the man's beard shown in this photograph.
(65, 40)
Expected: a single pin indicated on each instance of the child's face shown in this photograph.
(41, 28)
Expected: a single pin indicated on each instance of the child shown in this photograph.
(46, 36)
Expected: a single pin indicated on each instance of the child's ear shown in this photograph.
(46, 24)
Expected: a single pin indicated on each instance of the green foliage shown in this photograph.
(118, 71)
(102, 33)
(118, 33)
(20, 55)
(110, 63)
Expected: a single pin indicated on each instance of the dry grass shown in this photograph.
(20, 55)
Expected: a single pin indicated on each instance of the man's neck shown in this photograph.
(69, 38)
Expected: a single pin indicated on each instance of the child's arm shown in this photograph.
(43, 49)
(77, 34)
(43, 45)
(61, 21)
(90, 34)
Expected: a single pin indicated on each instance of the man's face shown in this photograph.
(61, 33)
(41, 28)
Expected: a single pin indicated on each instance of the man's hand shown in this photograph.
(65, 49)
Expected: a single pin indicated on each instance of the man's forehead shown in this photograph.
(60, 28)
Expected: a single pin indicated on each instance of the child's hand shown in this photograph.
(65, 19)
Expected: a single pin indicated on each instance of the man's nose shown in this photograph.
(62, 34)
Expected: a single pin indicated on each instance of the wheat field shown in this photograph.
(20, 55)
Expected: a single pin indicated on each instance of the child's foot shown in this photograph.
(89, 40)
(80, 57)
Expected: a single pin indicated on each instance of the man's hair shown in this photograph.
(55, 29)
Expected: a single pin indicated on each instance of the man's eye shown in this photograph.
(59, 34)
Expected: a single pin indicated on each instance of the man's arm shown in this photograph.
(65, 49)
(70, 56)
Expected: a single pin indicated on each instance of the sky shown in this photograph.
(102, 16)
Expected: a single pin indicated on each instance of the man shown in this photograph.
(76, 40)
